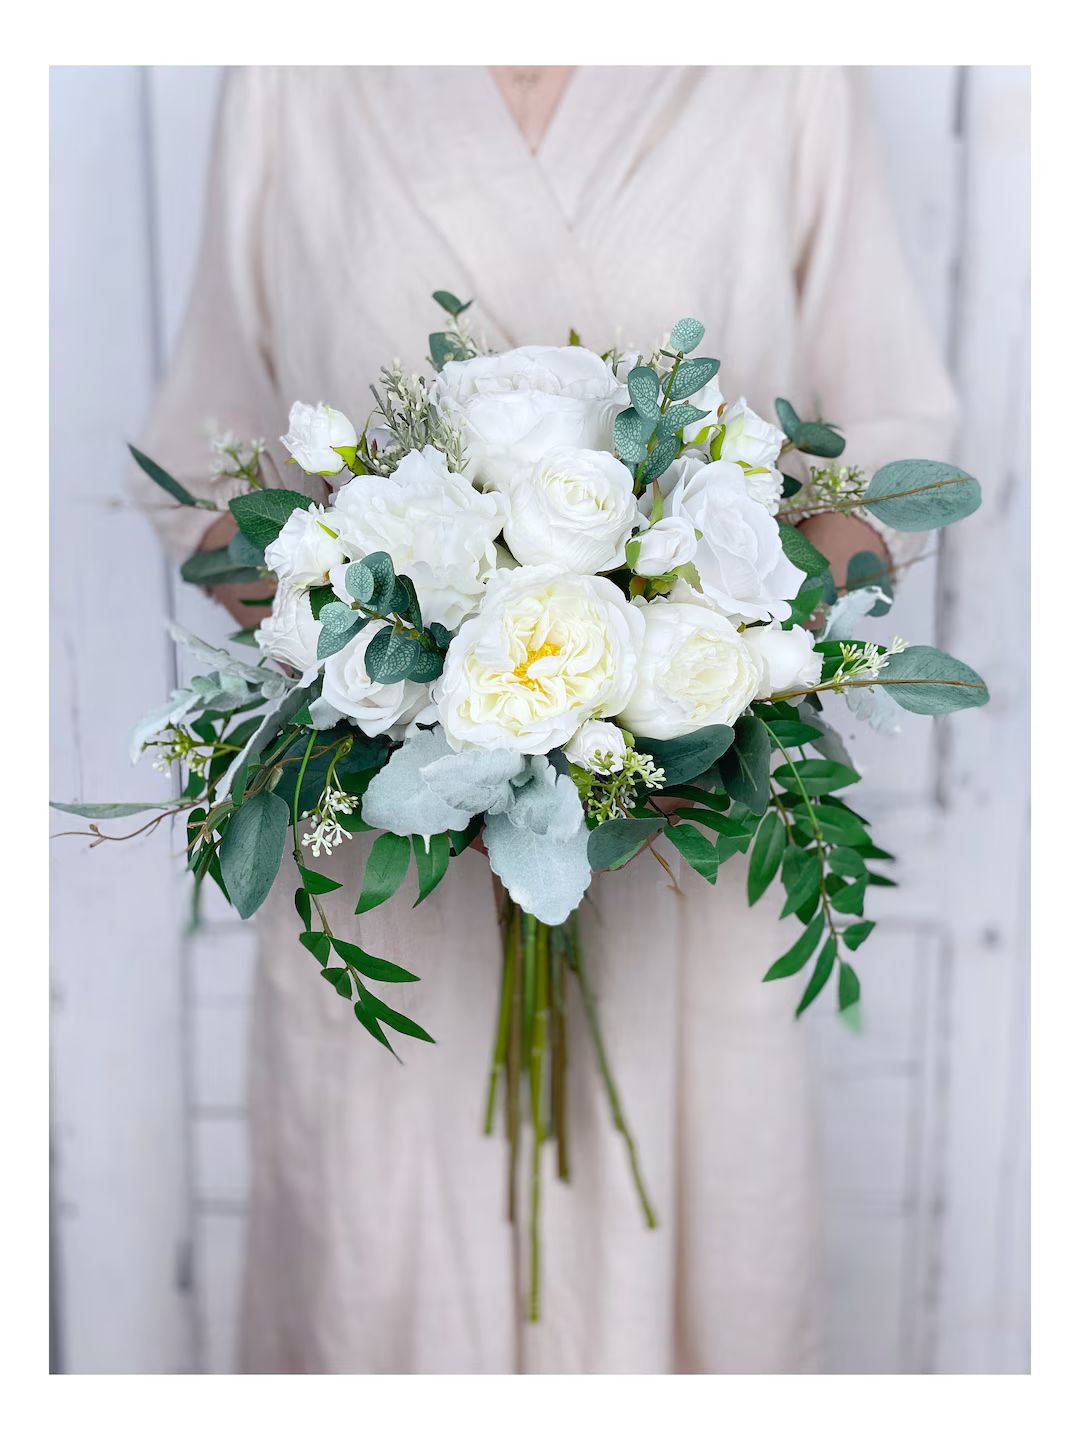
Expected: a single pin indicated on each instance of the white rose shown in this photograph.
(375, 709)
(709, 399)
(316, 432)
(598, 746)
(433, 524)
(693, 671)
(671, 542)
(740, 559)
(305, 550)
(766, 487)
(748, 438)
(515, 407)
(290, 633)
(787, 658)
(547, 651)
(574, 508)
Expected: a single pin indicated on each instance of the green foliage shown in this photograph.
(812, 437)
(849, 986)
(929, 682)
(793, 960)
(677, 418)
(921, 494)
(744, 768)
(643, 385)
(800, 552)
(387, 866)
(614, 843)
(371, 965)
(815, 777)
(687, 334)
(691, 376)
(789, 421)
(822, 970)
(401, 1023)
(631, 437)
(854, 935)
(445, 346)
(260, 514)
(865, 568)
(450, 303)
(316, 884)
(766, 856)
(688, 756)
(339, 625)
(217, 567)
(660, 457)
(695, 848)
(166, 481)
(106, 810)
(390, 656)
(800, 874)
(432, 862)
(251, 850)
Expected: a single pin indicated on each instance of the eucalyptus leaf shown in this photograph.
(687, 334)
(360, 582)
(643, 385)
(865, 568)
(661, 457)
(789, 421)
(630, 437)
(929, 682)
(800, 552)
(691, 376)
(921, 494)
(260, 514)
(390, 656)
(815, 438)
(450, 302)
(744, 768)
(615, 842)
(251, 850)
(108, 810)
(688, 756)
(695, 848)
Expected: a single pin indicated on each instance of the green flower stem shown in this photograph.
(557, 969)
(536, 1081)
(577, 964)
(502, 1034)
(296, 796)
(838, 687)
(513, 1060)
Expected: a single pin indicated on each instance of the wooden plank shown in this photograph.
(117, 1098)
(979, 1320)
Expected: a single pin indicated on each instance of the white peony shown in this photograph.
(316, 433)
(574, 508)
(693, 671)
(375, 709)
(305, 549)
(748, 438)
(669, 543)
(516, 407)
(740, 559)
(435, 527)
(598, 746)
(290, 633)
(787, 658)
(547, 651)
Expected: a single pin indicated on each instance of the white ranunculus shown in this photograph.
(598, 746)
(787, 658)
(375, 709)
(305, 550)
(766, 487)
(709, 398)
(671, 542)
(740, 559)
(748, 438)
(433, 524)
(516, 407)
(547, 651)
(290, 633)
(574, 508)
(316, 432)
(693, 671)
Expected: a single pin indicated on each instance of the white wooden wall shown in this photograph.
(924, 1116)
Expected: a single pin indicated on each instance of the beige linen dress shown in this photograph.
(340, 199)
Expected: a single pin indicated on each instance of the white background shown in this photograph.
(924, 1116)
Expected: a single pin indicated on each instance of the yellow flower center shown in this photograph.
(521, 672)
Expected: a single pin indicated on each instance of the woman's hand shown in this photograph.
(216, 538)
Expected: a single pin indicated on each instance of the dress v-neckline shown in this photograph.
(553, 121)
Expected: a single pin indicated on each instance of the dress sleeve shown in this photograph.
(220, 377)
(867, 357)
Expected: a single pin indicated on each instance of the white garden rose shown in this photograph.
(669, 543)
(748, 438)
(516, 407)
(787, 658)
(574, 508)
(290, 633)
(375, 709)
(306, 549)
(547, 651)
(693, 671)
(740, 559)
(766, 486)
(433, 524)
(598, 746)
(316, 432)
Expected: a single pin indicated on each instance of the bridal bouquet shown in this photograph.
(553, 602)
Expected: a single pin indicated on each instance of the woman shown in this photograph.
(595, 199)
